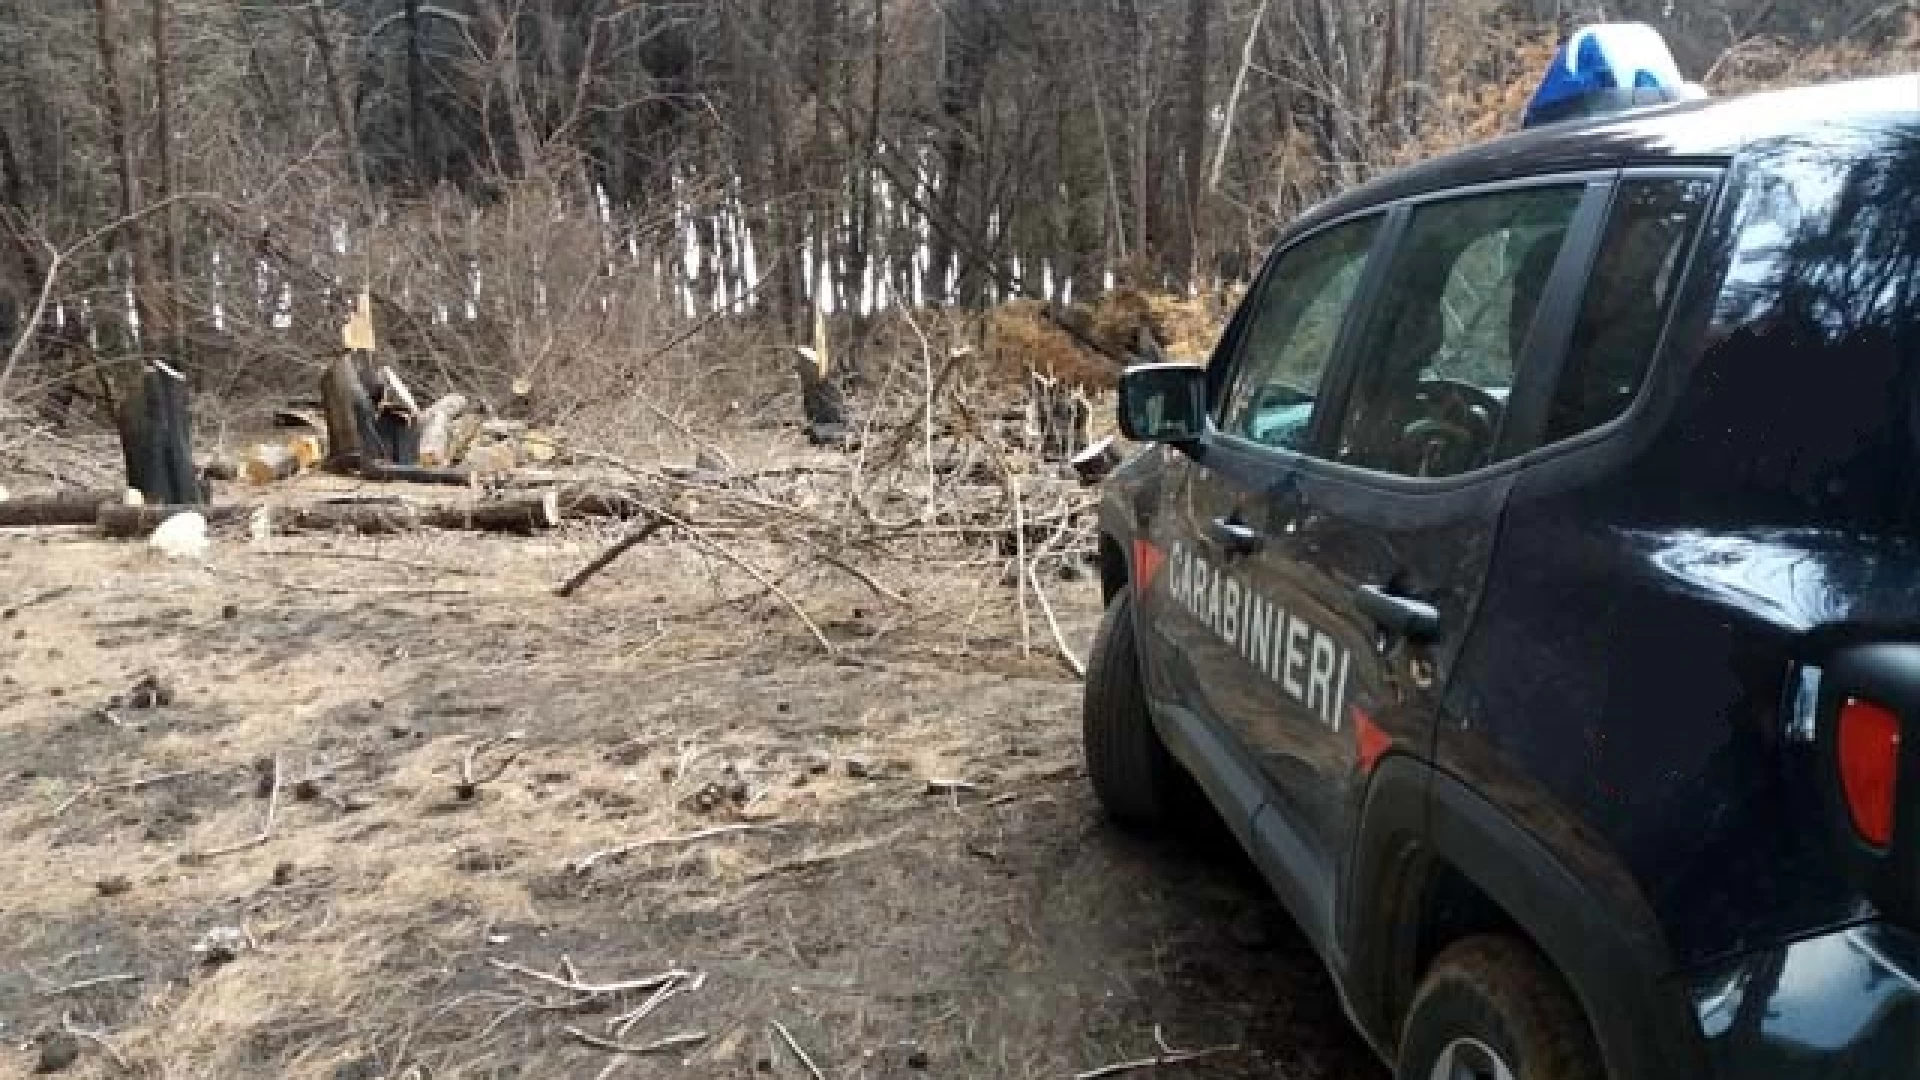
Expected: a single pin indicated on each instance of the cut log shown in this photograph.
(466, 432)
(156, 432)
(265, 464)
(436, 431)
(137, 522)
(65, 508)
(380, 472)
(353, 430)
(308, 450)
(1094, 463)
(522, 516)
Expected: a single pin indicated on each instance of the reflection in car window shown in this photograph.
(1628, 297)
(1291, 333)
(1444, 340)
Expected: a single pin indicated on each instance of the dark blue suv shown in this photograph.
(1532, 583)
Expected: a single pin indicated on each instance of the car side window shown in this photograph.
(1628, 299)
(1291, 334)
(1442, 344)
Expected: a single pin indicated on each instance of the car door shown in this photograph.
(1371, 560)
(1274, 362)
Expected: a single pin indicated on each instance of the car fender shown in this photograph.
(1609, 949)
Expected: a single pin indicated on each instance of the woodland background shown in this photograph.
(599, 197)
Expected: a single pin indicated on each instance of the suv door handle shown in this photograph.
(1412, 619)
(1236, 538)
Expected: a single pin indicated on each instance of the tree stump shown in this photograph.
(156, 437)
(822, 401)
(353, 428)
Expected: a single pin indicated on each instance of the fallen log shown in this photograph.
(523, 517)
(380, 472)
(66, 508)
(118, 522)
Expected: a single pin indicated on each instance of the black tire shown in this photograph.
(1135, 778)
(1494, 997)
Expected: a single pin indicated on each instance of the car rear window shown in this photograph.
(1629, 296)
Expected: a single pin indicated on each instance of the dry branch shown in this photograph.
(633, 539)
(797, 1052)
(586, 862)
(266, 831)
(651, 982)
(671, 1042)
(88, 984)
(1167, 1056)
(128, 785)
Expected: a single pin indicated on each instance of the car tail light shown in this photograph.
(1869, 753)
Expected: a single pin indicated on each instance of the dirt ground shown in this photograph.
(889, 851)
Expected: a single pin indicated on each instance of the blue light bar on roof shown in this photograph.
(1605, 69)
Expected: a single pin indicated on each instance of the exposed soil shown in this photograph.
(921, 884)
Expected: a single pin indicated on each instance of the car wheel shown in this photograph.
(1491, 1009)
(1133, 776)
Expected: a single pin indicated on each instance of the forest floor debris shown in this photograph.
(507, 833)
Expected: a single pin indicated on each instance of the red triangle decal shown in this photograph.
(1371, 742)
(1147, 560)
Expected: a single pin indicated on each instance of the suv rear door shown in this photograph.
(1371, 559)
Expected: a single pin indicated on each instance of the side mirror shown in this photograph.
(1164, 403)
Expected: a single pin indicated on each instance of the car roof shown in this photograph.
(1708, 131)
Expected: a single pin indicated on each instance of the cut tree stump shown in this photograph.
(134, 522)
(353, 428)
(1096, 461)
(66, 508)
(398, 419)
(156, 432)
(822, 402)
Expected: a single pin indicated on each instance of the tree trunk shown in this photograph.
(120, 129)
(1199, 30)
(339, 101)
(169, 300)
(426, 170)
